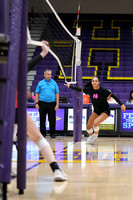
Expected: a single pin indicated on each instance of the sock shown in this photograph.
(54, 166)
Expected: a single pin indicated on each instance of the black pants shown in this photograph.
(45, 108)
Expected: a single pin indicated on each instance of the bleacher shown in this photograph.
(107, 51)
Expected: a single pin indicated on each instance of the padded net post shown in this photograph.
(10, 92)
(78, 107)
(22, 103)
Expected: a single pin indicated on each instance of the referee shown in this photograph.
(47, 101)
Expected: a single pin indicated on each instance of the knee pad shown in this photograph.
(90, 130)
(41, 143)
(96, 129)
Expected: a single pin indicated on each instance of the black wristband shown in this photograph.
(36, 103)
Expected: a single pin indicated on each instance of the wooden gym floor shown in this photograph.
(103, 171)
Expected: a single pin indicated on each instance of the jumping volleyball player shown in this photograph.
(99, 96)
(36, 136)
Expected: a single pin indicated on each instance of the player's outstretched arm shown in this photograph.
(39, 57)
(123, 107)
(73, 88)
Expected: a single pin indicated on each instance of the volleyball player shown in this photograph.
(35, 135)
(101, 111)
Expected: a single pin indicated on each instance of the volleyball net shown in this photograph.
(65, 47)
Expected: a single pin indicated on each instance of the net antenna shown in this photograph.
(77, 43)
(77, 46)
(37, 43)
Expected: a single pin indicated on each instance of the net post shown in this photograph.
(78, 107)
(10, 91)
(5, 159)
(78, 97)
(22, 103)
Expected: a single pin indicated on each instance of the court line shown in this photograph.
(35, 165)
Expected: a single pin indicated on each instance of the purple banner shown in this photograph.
(34, 113)
(127, 120)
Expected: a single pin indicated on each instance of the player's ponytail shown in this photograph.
(89, 85)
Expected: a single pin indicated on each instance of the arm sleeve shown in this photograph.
(87, 90)
(106, 92)
(116, 98)
(34, 62)
(56, 88)
(37, 89)
(76, 88)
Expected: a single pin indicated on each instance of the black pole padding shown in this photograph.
(21, 191)
(4, 191)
